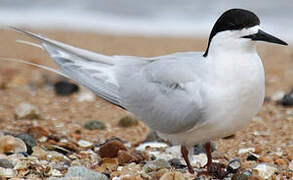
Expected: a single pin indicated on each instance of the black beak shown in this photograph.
(263, 36)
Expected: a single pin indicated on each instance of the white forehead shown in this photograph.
(251, 30)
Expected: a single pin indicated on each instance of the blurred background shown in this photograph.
(140, 17)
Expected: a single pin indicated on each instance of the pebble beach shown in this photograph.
(45, 134)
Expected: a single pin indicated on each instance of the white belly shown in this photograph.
(233, 100)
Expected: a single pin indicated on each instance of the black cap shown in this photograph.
(233, 19)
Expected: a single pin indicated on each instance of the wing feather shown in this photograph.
(92, 70)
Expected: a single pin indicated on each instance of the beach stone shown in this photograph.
(10, 144)
(256, 178)
(156, 165)
(264, 170)
(133, 156)
(282, 162)
(266, 159)
(85, 173)
(26, 111)
(65, 178)
(125, 157)
(247, 173)
(5, 163)
(199, 160)
(109, 164)
(84, 144)
(176, 163)
(173, 176)
(240, 177)
(110, 149)
(39, 152)
(28, 140)
(128, 121)
(252, 157)
(151, 145)
(278, 95)
(65, 88)
(38, 132)
(94, 124)
(200, 178)
(217, 170)
(287, 100)
(198, 149)
(7, 172)
(86, 96)
(234, 165)
(246, 150)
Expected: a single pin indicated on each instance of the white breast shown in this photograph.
(235, 94)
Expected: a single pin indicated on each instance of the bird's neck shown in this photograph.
(231, 48)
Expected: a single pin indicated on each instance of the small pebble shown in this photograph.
(240, 177)
(278, 95)
(199, 160)
(200, 178)
(245, 150)
(110, 149)
(261, 133)
(6, 172)
(291, 165)
(267, 99)
(10, 144)
(86, 96)
(200, 148)
(128, 121)
(155, 145)
(287, 100)
(247, 173)
(156, 165)
(265, 159)
(281, 162)
(253, 177)
(94, 124)
(38, 132)
(39, 152)
(133, 156)
(176, 163)
(234, 165)
(28, 140)
(5, 163)
(217, 170)
(173, 176)
(58, 149)
(109, 164)
(64, 88)
(125, 157)
(252, 157)
(84, 144)
(264, 170)
(85, 173)
(26, 111)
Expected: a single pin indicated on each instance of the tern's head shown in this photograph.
(237, 29)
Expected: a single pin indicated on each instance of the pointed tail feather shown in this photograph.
(92, 70)
(36, 65)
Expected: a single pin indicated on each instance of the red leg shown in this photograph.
(184, 152)
(208, 149)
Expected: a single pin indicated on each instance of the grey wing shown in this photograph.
(92, 70)
(166, 96)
